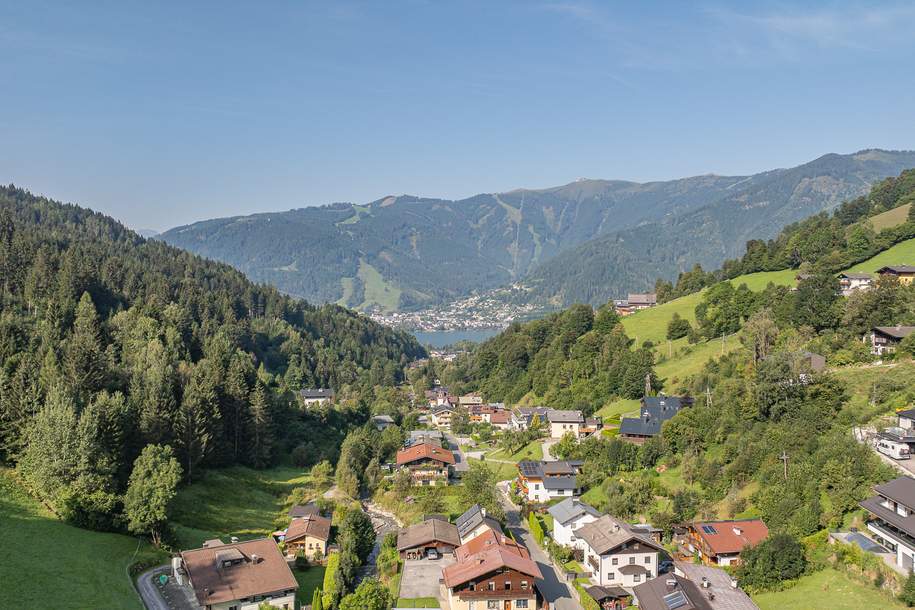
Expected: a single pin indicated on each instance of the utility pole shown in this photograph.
(647, 384)
(708, 396)
(784, 458)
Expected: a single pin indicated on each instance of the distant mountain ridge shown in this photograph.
(584, 241)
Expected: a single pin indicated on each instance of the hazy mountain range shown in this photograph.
(586, 241)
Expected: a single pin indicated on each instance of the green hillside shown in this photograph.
(890, 218)
(900, 254)
(76, 568)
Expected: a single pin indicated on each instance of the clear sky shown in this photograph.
(162, 113)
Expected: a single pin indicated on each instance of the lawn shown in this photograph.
(417, 602)
(689, 359)
(503, 471)
(618, 408)
(309, 579)
(376, 289)
(901, 254)
(828, 590)
(531, 451)
(234, 501)
(62, 565)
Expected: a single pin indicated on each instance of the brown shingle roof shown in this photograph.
(315, 526)
(216, 584)
(731, 536)
(430, 530)
(607, 533)
(424, 451)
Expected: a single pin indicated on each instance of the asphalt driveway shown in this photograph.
(420, 577)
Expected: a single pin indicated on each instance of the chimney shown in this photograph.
(733, 583)
(738, 531)
(671, 583)
(705, 583)
(255, 558)
(483, 511)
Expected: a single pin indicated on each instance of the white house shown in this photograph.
(545, 481)
(616, 555)
(563, 422)
(892, 518)
(568, 516)
(316, 396)
(441, 416)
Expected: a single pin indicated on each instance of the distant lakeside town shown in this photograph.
(487, 311)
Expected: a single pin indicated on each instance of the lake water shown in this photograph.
(440, 338)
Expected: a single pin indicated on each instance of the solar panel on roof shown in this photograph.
(675, 600)
(708, 529)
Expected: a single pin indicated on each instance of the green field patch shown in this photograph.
(890, 218)
(376, 290)
(902, 253)
(235, 501)
(830, 589)
(78, 569)
(309, 579)
(417, 602)
(531, 451)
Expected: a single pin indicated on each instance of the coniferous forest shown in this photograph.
(110, 344)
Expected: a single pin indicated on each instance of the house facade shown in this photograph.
(474, 523)
(542, 481)
(316, 396)
(494, 572)
(568, 516)
(238, 576)
(565, 422)
(904, 273)
(522, 417)
(852, 282)
(307, 535)
(441, 415)
(429, 464)
(416, 541)
(719, 543)
(891, 518)
(885, 339)
(616, 555)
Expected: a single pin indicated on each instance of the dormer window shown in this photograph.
(523, 585)
(492, 586)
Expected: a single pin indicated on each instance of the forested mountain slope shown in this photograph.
(631, 260)
(110, 343)
(404, 252)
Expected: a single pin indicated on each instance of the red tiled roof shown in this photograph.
(731, 536)
(499, 417)
(495, 553)
(424, 451)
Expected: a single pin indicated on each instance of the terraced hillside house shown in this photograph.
(693, 587)
(307, 535)
(492, 571)
(238, 576)
(617, 555)
(544, 481)
(654, 411)
(429, 464)
(850, 283)
(635, 302)
(470, 399)
(568, 516)
(564, 422)
(891, 518)
(885, 339)
(904, 273)
(719, 543)
(474, 522)
(433, 534)
(500, 420)
(523, 417)
(313, 397)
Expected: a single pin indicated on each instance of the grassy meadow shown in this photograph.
(827, 588)
(77, 569)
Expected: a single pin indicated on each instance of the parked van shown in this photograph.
(894, 449)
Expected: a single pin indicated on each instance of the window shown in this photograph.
(508, 585)
(647, 558)
(631, 560)
(611, 576)
(523, 585)
(615, 560)
(492, 586)
(648, 575)
(637, 578)
(520, 603)
(493, 604)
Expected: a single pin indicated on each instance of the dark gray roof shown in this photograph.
(907, 413)
(655, 411)
(316, 393)
(560, 467)
(670, 592)
(572, 508)
(874, 506)
(897, 332)
(531, 470)
(901, 490)
(897, 269)
(600, 594)
(469, 521)
(427, 532)
(856, 276)
(561, 482)
(302, 510)
(565, 416)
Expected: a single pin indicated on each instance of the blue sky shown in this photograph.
(165, 113)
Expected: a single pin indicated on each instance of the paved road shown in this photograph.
(552, 588)
(865, 436)
(421, 577)
(151, 598)
(547, 456)
(460, 460)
